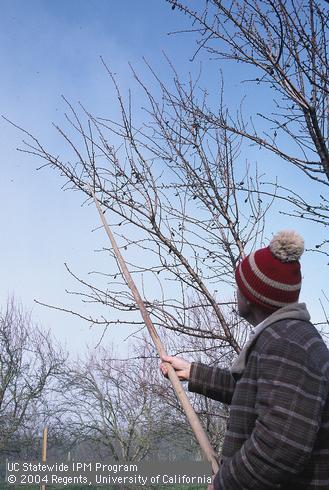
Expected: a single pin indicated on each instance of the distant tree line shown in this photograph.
(95, 407)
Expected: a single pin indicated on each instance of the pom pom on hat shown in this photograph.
(270, 277)
(287, 246)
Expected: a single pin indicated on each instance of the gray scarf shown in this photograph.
(296, 311)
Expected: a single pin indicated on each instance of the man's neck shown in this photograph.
(258, 315)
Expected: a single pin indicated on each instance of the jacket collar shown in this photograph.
(297, 311)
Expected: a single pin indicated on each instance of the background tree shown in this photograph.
(111, 405)
(29, 362)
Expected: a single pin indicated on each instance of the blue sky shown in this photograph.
(50, 48)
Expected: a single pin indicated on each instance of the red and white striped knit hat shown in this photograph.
(271, 277)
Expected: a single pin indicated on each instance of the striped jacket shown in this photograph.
(278, 430)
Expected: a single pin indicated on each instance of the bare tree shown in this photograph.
(181, 211)
(112, 405)
(285, 47)
(29, 361)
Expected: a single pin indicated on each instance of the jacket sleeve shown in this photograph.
(212, 382)
(289, 402)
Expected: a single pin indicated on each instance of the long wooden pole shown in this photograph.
(192, 417)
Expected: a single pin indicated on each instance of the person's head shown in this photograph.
(270, 278)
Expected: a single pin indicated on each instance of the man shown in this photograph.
(278, 387)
